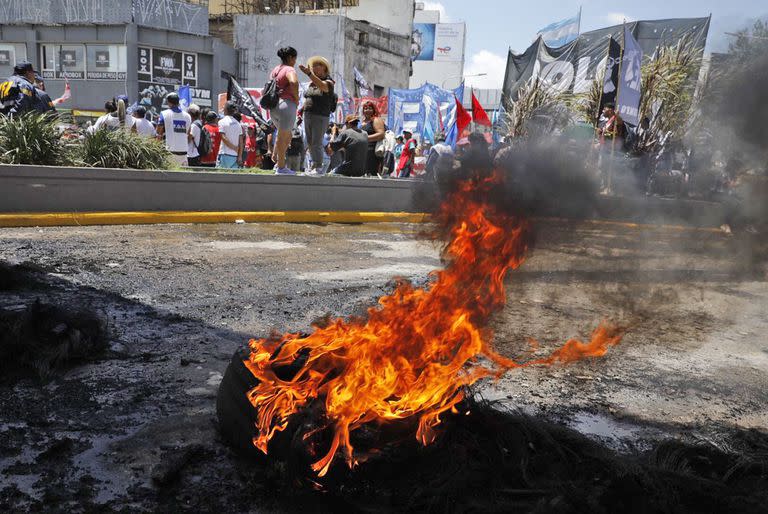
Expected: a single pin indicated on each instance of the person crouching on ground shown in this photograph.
(175, 125)
(319, 103)
(284, 115)
(353, 142)
(230, 151)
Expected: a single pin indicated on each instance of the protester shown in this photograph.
(140, 124)
(18, 93)
(264, 145)
(405, 164)
(388, 162)
(195, 133)
(295, 153)
(243, 136)
(613, 128)
(252, 158)
(398, 151)
(319, 102)
(440, 159)
(44, 102)
(284, 115)
(335, 158)
(212, 127)
(376, 129)
(175, 125)
(353, 143)
(230, 150)
(109, 120)
(477, 156)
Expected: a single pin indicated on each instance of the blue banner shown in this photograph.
(424, 111)
(628, 104)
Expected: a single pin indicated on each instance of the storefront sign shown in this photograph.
(5, 57)
(106, 75)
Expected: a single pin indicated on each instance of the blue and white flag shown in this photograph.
(185, 97)
(562, 32)
(362, 85)
(628, 103)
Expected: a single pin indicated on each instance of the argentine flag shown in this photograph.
(562, 32)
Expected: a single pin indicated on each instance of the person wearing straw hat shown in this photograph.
(319, 102)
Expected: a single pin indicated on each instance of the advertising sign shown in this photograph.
(5, 57)
(166, 66)
(145, 64)
(106, 75)
(68, 58)
(449, 42)
(423, 42)
(102, 59)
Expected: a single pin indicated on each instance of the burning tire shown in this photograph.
(237, 417)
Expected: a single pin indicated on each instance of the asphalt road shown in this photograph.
(181, 299)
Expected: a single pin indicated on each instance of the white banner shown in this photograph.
(449, 41)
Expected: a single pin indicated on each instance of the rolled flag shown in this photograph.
(66, 96)
(185, 97)
(362, 85)
(244, 101)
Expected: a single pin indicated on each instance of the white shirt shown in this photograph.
(106, 121)
(192, 149)
(144, 127)
(177, 123)
(230, 128)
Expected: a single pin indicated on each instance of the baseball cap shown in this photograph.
(351, 118)
(23, 66)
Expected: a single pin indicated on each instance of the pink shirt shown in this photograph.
(280, 75)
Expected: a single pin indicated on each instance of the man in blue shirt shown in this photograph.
(18, 94)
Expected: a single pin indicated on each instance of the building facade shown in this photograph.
(437, 50)
(103, 48)
(382, 56)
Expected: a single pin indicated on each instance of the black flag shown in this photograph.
(244, 102)
(611, 79)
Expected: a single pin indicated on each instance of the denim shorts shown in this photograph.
(284, 115)
(227, 161)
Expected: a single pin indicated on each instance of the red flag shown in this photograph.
(478, 113)
(463, 118)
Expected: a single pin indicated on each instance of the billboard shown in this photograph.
(423, 42)
(437, 42)
(449, 42)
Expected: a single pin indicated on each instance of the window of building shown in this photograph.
(106, 62)
(362, 38)
(378, 91)
(78, 62)
(10, 54)
(71, 63)
(242, 71)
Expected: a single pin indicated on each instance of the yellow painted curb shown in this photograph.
(57, 219)
(62, 219)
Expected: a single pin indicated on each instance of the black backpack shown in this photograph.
(205, 145)
(270, 95)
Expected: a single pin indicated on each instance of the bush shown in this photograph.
(119, 149)
(31, 139)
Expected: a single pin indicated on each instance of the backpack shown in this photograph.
(205, 145)
(270, 96)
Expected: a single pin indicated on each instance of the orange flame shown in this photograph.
(415, 351)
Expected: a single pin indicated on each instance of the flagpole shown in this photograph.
(579, 29)
(616, 104)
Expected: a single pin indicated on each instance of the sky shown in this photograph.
(494, 26)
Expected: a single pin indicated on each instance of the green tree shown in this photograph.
(750, 44)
